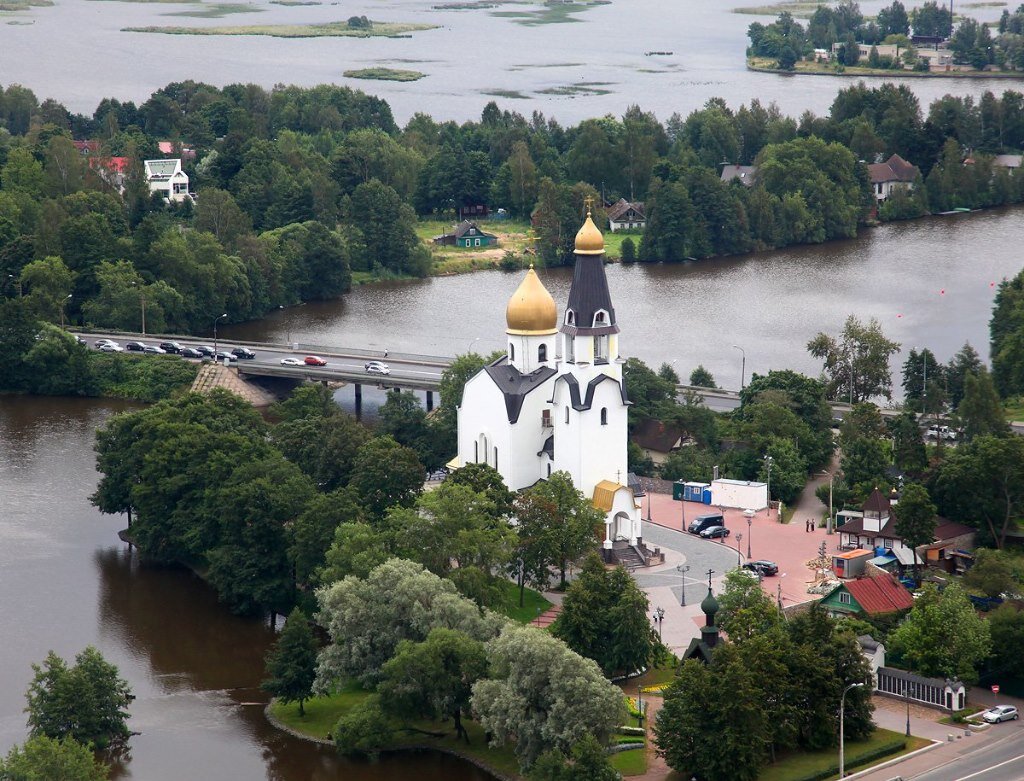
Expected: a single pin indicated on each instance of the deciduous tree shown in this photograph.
(291, 663)
(46, 759)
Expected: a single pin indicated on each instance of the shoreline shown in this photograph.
(399, 749)
(881, 73)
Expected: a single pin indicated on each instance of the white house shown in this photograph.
(167, 178)
(556, 401)
(624, 215)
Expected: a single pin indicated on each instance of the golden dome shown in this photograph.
(589, 240)
(531, 310)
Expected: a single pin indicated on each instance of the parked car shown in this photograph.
(314, 360)
(941, 432)
(205, 350)
(999, 713)
(290, 361)
(135, 347)
(190, 352)
(702, 522)
(222, 356)
(242, 352)
(753, 574)
(170, 347)
(111, 347)
(714, 532)
(763, 567)
(152, 349)
(377, 367)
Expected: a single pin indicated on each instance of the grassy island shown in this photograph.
(23, 5)
(325, 30)
(384, 74)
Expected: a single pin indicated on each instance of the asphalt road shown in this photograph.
(424, 374)
(700, 555)
(999, 761)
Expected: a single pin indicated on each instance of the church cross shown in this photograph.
(709, 573)
(589, 202)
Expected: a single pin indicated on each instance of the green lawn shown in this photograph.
(798, 765)
(630, 763)
(533, 603)
(322, 713)
(1014, 408)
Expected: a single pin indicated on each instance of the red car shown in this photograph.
(314, 360)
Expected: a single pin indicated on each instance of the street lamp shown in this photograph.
(743, 366)
(739, 556)
(831, 481)
(778, 590)
(659, 617)
(842, 712)
(769, 461)
(906, 696)
(682, 569)
(750, 531)
(63, 302)
(215, 350)
(649, 492)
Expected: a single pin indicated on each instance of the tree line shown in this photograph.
(301, 190)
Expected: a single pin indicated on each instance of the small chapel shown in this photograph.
(556, 400)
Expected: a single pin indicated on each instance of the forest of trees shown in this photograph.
(298, 190)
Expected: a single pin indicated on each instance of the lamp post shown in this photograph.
(750, 531)
(906, 696)
(743, 366)
(649, 503)
(682, 569)
(842, 712)
(659, 617)
(769, 461)
(216, 320)
(739, 556)
(63, 302)
(831, 482)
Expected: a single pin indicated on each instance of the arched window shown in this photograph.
(495, 458)
(599, 318)
(567, 414)
(542, 353)
(604, 416)
(476, 452)
(511, 352)
(569, 316)
(549, 475)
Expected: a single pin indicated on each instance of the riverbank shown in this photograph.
(804, 68)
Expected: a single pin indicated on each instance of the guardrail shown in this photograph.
(327, 373)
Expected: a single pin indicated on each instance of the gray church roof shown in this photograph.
(514, 385)
(588, 295)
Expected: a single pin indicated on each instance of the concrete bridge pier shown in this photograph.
(359, 399)
(430, 400)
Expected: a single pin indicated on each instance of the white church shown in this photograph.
(556, 401)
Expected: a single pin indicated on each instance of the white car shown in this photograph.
(289, 361)
(377, 367)
(941, 432)
(1000, 713)
(111, 347)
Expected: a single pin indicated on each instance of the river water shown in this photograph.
(77, 53)
(67, 582)
(929, 282)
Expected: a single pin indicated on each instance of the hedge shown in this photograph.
(886, 749)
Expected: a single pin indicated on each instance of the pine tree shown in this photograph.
(291, 663)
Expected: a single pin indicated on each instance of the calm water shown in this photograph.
(930, 283)
(76, 52)
(68, 582)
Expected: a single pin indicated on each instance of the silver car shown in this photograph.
(1000, 713)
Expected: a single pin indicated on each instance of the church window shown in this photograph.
(599, 318)
(604, 416)
(567, 414)
(495, 458)
(570, 349)
(569, 317)
(542, 353)
(511, 352)
(600, 348)
(476, 452)
(545, 418)
(549, 470)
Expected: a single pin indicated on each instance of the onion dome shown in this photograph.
(589, 240)
(710, 606)
(531, 309)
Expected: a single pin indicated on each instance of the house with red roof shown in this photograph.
(87, 148)
(877, 596)
(893, 173)
(112, 170)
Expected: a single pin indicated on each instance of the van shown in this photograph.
(702, 522)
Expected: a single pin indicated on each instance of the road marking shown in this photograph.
(993, 767)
